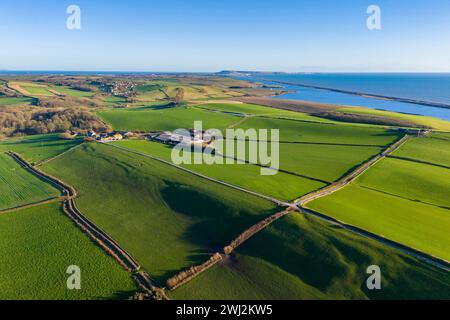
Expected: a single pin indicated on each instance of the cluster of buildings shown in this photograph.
(191, 137)
(122, 88)
(106, 137)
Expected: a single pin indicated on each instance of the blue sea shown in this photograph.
(433, 88)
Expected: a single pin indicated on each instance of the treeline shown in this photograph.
(28, 121)
(68, 102)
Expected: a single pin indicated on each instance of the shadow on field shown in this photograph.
(217, 222)
(118, 295)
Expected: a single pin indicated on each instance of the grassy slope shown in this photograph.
(281, 186)
(291, 130)
(157, 118)
(301, 257)
(19, 187)
(37, 246)
(167, 219)
(39, 147)
(432, 150)
(424, 227)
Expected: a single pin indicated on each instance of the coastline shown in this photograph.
(366, 95)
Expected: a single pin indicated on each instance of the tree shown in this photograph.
(179, 97)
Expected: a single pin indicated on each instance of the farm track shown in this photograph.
(244, 118)
(334, 187)
(297, 207)
(143, 280)
(430, 259)
(95, 233)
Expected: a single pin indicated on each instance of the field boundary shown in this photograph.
(274, 200)
(274, 169)
(411, 251)
(187, 275)
(352, 176)
(33, 204)
(419, 161)
(39, 163)
(296, 207)
(94, 232)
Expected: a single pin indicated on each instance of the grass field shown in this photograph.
(114, 100)
(39, 147)
(167, 219)
(36, 248)
(301, 257)
(325, 162)
(15, 101)
(431, 122)
(251, 109)
(64, 90)
(281, 186)
(160, 118)
(42, 89)
(428, 149)
(292, 131)
(19, 187)
(36, 89)
(421, 226)
(410, 180)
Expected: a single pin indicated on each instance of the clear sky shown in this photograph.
(212, 35)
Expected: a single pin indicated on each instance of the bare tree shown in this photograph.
(179, 97)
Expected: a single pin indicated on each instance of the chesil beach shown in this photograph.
(425, 94)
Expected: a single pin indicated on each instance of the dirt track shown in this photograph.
(96, 234)
(332, 188)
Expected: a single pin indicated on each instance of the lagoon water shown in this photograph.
(424, 87)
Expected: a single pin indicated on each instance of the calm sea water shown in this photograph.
(424, 87)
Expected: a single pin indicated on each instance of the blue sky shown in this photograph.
(212, 35)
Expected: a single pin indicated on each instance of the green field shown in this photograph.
(251, 109)
(432, 150)
(72, 92)
(281, 186)
(421, 226)
(431, 122)
(301, 257)
(294, 131)
(114, 100)
(167, 219)
(15, 101)
(160, 118)
(318, 161)
(19, 187)
(37, 89)
(403, 200)
(410, 180)
(36, 248)
(39, 147)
